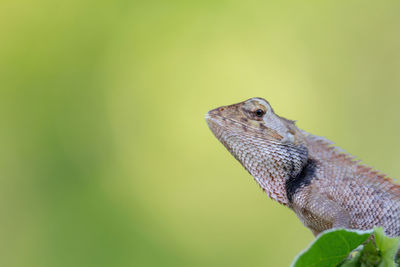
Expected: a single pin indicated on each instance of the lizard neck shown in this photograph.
(273, 165)
(334, 160)
(272, 182)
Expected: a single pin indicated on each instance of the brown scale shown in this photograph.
(325, 187)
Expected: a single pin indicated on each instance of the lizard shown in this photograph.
(325, 187)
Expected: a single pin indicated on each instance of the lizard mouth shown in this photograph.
(218, 119)
(221, 126)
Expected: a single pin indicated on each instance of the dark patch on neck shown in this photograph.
(302, 179)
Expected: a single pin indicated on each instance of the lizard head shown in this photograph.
(253, 117)
(268, 146)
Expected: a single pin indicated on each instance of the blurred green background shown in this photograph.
(106, 159)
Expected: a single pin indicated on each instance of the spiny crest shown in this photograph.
(328, 151)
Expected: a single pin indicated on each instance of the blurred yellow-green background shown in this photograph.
(106, 159)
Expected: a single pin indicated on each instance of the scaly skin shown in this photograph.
(326, 188)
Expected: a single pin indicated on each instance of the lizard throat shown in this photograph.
(270, 163)
(302, 179)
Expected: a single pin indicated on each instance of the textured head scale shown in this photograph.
(268, 146)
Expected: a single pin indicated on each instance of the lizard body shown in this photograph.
(324, 186)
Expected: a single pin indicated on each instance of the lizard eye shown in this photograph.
(259, 112)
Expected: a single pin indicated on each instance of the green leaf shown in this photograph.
(387, 247)
(370, 256)
(331, 247)
(353, 262)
